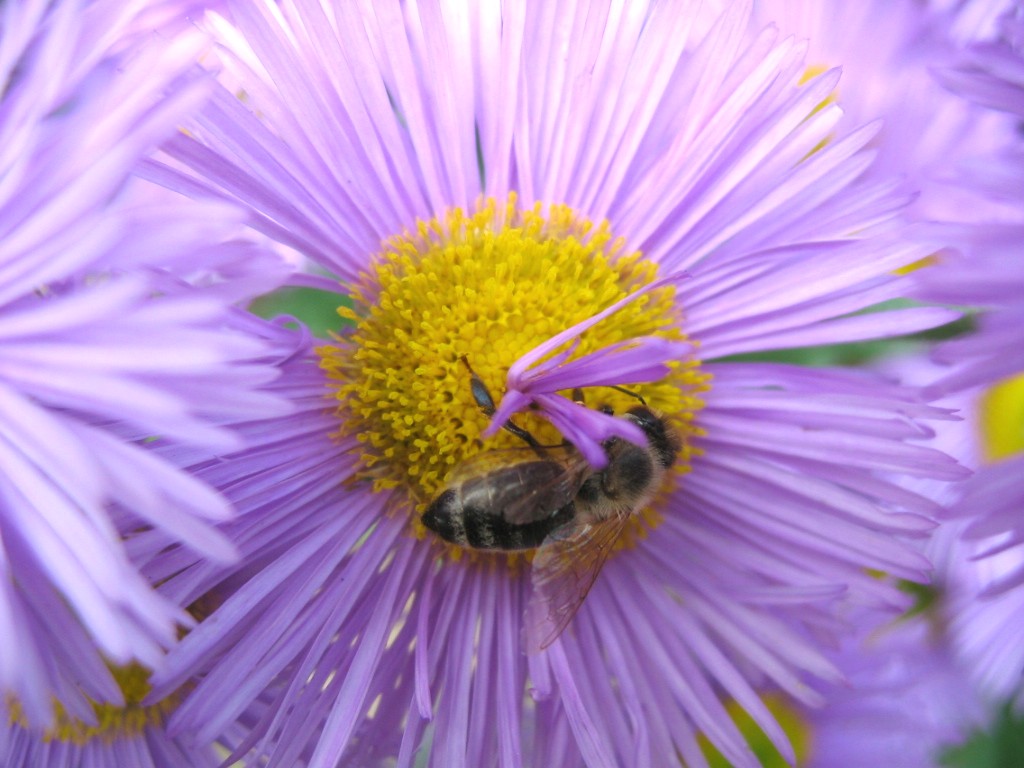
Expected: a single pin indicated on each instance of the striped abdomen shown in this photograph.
(509, 508)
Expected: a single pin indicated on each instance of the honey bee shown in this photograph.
(550, 499)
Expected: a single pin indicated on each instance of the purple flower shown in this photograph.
(888, 50)
(917, 685)
(484, 180)
(117, 327)
(907, 698)
(128, 733)
(955, 659)
(992, 73)
(983, 268)
(986, 271)
(990, 604)
(910, 692)
(924, 683)
(983, 576)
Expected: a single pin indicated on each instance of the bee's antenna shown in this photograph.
(625, 391)
(577, 394)
(483, 398)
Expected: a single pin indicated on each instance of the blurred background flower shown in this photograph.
(985, 270)
(117, 328)
(887, 50)
(934, 686)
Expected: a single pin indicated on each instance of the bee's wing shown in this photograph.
(554, 488)
(564, 569)
(488, 460)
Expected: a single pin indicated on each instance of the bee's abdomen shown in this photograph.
(478, 513)
(485, 530)
(444, 517)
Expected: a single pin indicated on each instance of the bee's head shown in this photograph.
(662, 438)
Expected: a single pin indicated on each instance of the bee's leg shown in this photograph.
(483, 398)
(522, 434)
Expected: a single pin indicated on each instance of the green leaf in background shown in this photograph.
(862, 352)
(927, 597)
(792, 724)
(1002, 746)
(316, 309)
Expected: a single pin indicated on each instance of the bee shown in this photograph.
(550, 499)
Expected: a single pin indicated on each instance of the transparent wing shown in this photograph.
(564, 569)
(498, 458)
(538, 489)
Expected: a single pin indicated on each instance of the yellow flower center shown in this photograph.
(489, 287)
(113, 722)
(1001, 419)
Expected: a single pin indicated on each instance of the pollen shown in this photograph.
(487, 286)
(113, 721)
